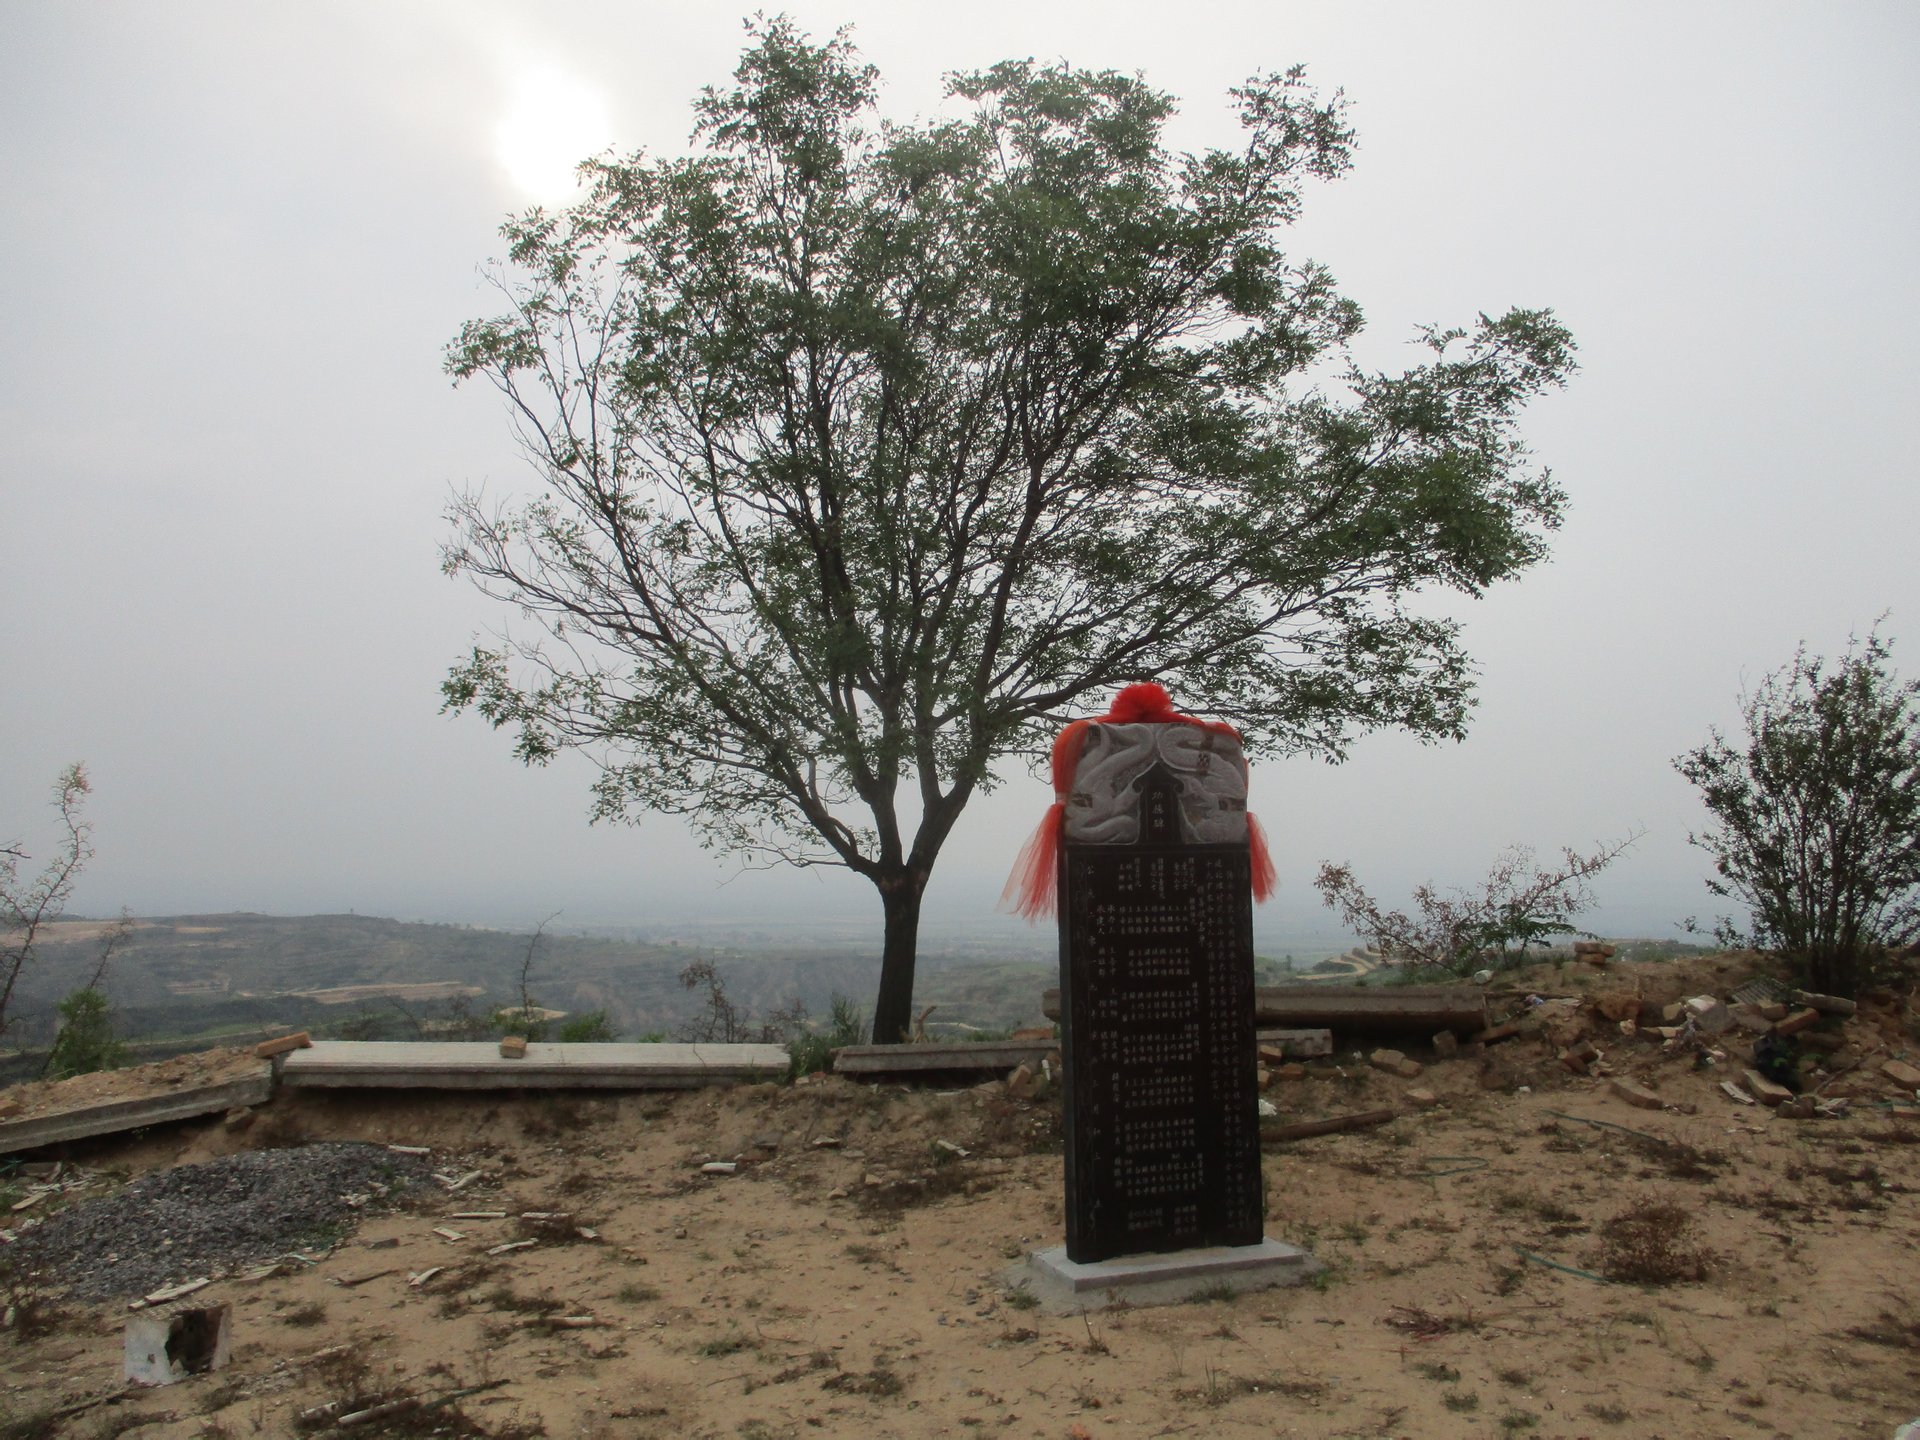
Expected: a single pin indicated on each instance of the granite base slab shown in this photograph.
(1068, 1286)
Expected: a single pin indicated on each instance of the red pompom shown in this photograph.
(1147, 703)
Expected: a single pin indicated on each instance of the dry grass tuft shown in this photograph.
(1652, 1244)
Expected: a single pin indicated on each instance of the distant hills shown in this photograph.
(184, 979)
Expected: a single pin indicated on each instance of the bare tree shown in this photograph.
(28, 908)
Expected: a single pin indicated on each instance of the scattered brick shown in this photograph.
(1394, 1063)
(1635, 1094)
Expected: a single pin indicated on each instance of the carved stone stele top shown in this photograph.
(1207, 766)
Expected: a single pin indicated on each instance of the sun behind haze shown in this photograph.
(552, 121)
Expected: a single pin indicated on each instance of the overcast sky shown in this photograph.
(235, 238)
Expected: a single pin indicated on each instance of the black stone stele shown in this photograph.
(1156, 982)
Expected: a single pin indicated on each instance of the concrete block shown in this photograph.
(1796, 1022)
(169, 1344)
(1709, 1015)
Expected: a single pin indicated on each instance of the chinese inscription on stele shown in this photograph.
(1156, 879)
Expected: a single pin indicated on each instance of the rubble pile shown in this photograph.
(175, 1226)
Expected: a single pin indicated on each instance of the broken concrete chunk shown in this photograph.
(1446, 1045)
(1578, 1058)
(719, 1167)
(1296, 1044)
(1618, 1005)
(1901, 1074)
(163, 1346)
(513, 1047)
(1750, 1019)
(1764, 1090)
(1796, 1022)
(1735, 1093)
(1635, 1094)
(1708, 1014)
(1424, 1099)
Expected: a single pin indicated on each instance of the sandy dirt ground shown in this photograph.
(850, 1276)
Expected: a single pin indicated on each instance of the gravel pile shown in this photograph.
(213, 1218)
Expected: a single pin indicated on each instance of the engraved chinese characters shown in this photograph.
(1163, 1146)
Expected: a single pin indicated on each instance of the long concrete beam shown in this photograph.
(117, 1115)
(1420, 1008)
(479, 1065)
(936, 1056)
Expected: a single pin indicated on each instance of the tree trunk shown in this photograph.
(893, 1010)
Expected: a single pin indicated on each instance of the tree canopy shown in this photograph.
(871, 451)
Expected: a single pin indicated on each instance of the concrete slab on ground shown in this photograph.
(1067, 1287)
(117, 1115)
(479, 1065)
(934, 1057)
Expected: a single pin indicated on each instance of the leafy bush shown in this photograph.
(1517, 906)
(1819, 813)
(592, 1027)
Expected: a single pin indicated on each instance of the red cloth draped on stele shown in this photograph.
(1030, 888)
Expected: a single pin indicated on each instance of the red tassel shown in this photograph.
(1264, 876)
(1030, 888)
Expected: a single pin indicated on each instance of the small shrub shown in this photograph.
(594, 1027)
(305, 1317)
(86, 1042)
(1651, 1244)
(878, 1381)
